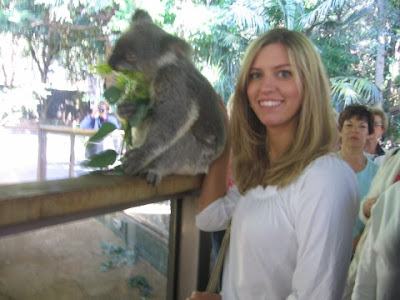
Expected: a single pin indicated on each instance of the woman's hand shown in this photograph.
(204, 296)
(368, 206)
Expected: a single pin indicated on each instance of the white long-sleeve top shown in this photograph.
(382, 181)
(378, 273)
(289, 243)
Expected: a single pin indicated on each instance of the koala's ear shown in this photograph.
(176, 45)
(141, 16)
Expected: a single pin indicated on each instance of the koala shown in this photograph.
(185, 130)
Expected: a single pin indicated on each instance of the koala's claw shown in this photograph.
(153, 178)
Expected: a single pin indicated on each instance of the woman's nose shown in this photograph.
(268, 83)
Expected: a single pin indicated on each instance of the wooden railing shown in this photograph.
(42, 151)
(33, 205)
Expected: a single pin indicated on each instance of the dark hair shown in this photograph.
(361, 112)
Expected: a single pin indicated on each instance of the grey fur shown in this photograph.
(186, 129)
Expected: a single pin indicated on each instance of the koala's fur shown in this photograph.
(185, 130)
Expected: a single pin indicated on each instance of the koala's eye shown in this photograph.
(131, 57)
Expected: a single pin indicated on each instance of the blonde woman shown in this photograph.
(291, 233)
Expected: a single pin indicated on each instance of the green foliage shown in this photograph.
(143, 109)
(104, 130)
(101, 160)
(142, 283)
(394, 128)
(350, 90)
(337, 56)
(113, 95)
(74, 34)
(130, 86)
(117, 256)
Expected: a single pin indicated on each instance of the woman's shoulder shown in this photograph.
(327, 178)
(331, 160)
(329, 167)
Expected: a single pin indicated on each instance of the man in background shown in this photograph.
(100, 114)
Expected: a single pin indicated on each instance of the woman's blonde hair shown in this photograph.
(315, 134)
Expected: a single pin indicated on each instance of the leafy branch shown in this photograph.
(130, 86)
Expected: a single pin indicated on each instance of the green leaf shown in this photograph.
(102, 159)
(102, 69)
(143, 109)
(127, 133)
(112, 95)
(116, 171)
(142, 283)
(105, 129)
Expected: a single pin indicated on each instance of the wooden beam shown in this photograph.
(36, 204)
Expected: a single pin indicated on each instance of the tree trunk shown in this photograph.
(380, 51)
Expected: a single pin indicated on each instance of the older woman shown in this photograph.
(373, 149)
(356, 124)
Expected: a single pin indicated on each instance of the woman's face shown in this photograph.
(273, 92)
(354, 133)
(378, 127)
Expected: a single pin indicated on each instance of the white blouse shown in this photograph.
(378, 274)
(289, 243)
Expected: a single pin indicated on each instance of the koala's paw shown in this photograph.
(132, 163)
(153, 178)
(126, 110)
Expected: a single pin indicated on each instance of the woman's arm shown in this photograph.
(87, 122)
(324, 220)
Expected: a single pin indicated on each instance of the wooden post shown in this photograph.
(72, 156)
(42, 155)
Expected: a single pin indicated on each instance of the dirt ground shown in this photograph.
(64, 262)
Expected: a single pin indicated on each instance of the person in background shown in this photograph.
(389, 145)
(356, 123)
(375, 268)
(373, 148)
(99, 115)
(291, 232)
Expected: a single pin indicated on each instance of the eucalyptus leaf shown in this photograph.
(102, 69)
(104, 130)
(140, 115)
(113, 95)
(116, 171)
(101, 160)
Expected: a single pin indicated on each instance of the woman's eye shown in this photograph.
(254, 75)
(285, 74)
